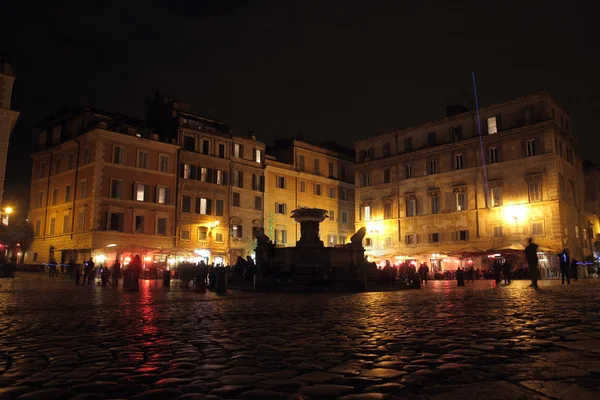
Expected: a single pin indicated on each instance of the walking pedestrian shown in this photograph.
(71, 268)
(565, 263)
(136, 270)
(532, 262)
(88, 272)
(506, 267)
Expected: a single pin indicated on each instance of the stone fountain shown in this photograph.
(347, 263)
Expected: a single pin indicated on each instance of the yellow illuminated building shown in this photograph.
(434, 189)
(299, 174)
(8, 117)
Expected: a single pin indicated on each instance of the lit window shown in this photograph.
(258, 156)
(492, 125)
(461, 201)
(367, 213)
(238, 150)
(141, 192)
(162, 196)
(496, 195)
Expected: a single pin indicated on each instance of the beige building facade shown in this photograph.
(101, 185)
(431, 190)
(8, 117)
(299, 174)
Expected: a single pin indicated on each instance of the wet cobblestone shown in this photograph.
(58, 341)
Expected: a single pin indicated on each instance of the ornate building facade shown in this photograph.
(101, 183)
(430, 190)
(299, 174)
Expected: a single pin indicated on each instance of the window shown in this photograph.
(257, 156)
(386, 175)
(493, 158)
(280, 208)
(530, 147)
(456, 133)
(54, 196)
(331, 170)
(386, 150)
(139, 223)
(203, 206)
(331, 240)
(537, 229)
(57, 166)
(236, 231)
(527, 115)
(71, 161)
(161, 225)
(81, 221)
(535, 191)
(163, 163)
(115, 221)
(302, 186)
(410, 239)
(408, 171)
(83, 188)
(220, 177)
(39, 200)
(367, 213)
(52, 225)
(387, 211)
(458, 161)
(257, 203)
(220, 207)
(142, 159)
(316, 166)
(118, 155)
(187, 171)
(186, 204)
(38, 226)
(388, 242)
(142, 192)
(434, 237)
(162, 195)
(461, 201)
(219, 237)
(258, 182)
(67, 193)
(235, 199)
(317, 189)
(204, 174)
(344, 194)
(237, 179)
(283, 236)
(332, 215)
(435, 204)
(185, 234)
(498, 232)
(221, 150)
(462, 235)
(342, 174)
(431, 139)
(492, 125)
(189, 143)
(301, 162)
(343, 239)
(332, 193)
(42, 170)
(205, 147)
(202, 234)
(86, 155)
(366, 179)
(238, 150)
(496, 196)
(432, 167)
(280, 182)
(116, 188)
(65, 223)
(344, 218)
(367, 242)
(411, 206)
(408, 144)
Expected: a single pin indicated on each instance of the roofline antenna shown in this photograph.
(487, 188)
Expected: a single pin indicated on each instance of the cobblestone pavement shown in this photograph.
(58, 341)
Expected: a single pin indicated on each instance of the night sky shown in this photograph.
(336, 70)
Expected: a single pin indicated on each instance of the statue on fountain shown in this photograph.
(357, 239)
(309, 220)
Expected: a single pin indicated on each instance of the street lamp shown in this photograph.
(6, 211)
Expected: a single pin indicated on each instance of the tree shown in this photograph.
(18, 235)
